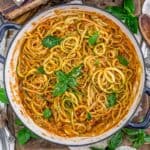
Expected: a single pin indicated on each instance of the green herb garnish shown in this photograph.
(93, 39)
(123, 60)
(41, 70)
(47, 113)
(137, 137)
(111, 99)
(115, 141)
(126, 14)
(66, 80)
(24, 134)
(51, 41)
(97, 62)
(89, 116)
(3, 96)
(129, 6)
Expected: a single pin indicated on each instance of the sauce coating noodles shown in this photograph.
(92, 102)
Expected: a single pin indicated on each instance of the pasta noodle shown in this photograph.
(90, 103)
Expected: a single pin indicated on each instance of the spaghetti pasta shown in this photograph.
(93, 66)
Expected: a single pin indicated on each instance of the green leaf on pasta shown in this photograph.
(89, 116)
(51, 41)
(41, 70)
(47, 113)
(93, 39)
(123, 60)
(111, 99)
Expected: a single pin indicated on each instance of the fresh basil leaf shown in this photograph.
(130, 132)
(132, 23)
(139, 139)
(41, 70)
(60, 88)
(123, 60)
(115, 140)
(76, 71)
(129, 6)
(47, 113)
(3, 96)
(125, 13)
(93, 39)
(72, 82)
(119, 12)
(51, 41)
(96, 148)
(111, 99)
(23, 136)
(147, 138)
(61, 76)
(89, 116)
(65, 81)
(18, 122)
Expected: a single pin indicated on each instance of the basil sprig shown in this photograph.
(51, 41)
(126, 14)
(66, 80)
(24, 134)
(93, 38)
(111, 99)
(137, 137)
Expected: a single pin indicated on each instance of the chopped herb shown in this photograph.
(123, 60)
(41, 70)
(126, 14)
(97, 62)
(66, 80)
(47, 113)
(51, 41)
(3, 96)
(111, 99)
(76, 71)
(93, 39)
(89, 116)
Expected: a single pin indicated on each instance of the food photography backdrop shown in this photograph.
(125, 139)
